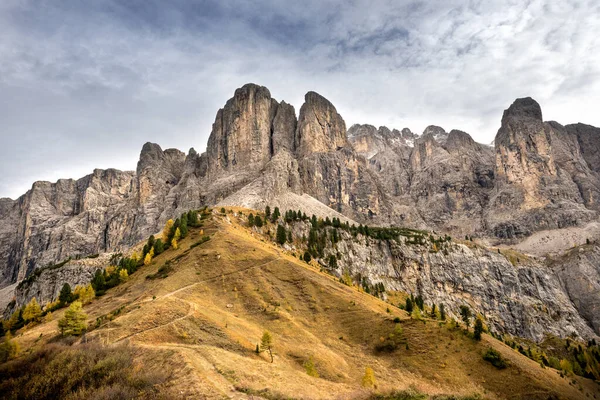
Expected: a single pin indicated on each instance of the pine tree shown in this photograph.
(289, 236)
(478, 329)
(442, 312)
(276, 214)
(32, 311)
(73, 323)
(98, 282)
(65, 295)
(267, 211)
(465, 313)
(258, 221)
(184, 225)
(159, 247)
(266, 344)
(409, 305)
(281, 235)
(251, 219)
(433, 312)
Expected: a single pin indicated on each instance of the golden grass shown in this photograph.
(213, 308)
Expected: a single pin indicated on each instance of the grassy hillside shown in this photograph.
(191, 331)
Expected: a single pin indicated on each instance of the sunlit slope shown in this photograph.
(206, 317)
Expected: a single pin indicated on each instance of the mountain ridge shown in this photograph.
(538, 176)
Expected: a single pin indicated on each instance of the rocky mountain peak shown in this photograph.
(458, 139)
(320, 128)
(241, 133)
(523, 108)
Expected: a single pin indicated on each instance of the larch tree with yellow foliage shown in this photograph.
(85, 294)
(123, 275)
(176, 237)
(32, 311)
(166, 233)
(368, 379)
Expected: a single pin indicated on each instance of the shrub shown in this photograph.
(495, 358)
(309, 367)
(307, 257)
(79, 372)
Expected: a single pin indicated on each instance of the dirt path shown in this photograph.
(193, 307)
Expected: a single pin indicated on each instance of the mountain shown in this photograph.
(188, 326)
(538, 177)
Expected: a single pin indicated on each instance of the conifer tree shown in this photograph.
(166, 233)
(266, 344)
(465, 313)
(159, 247)
(281, 235)
(65, 295)
(442, 312)
(433, 312)
(73, 323)
(478, 329)
(123, 275)
(307, 257)
(258, 221)
(368, 379)
(409, 305)
(32, 311)
(251, 219)
(267, 212)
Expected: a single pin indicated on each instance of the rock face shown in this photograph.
(540, 175)
(320, 128)
(525, 299)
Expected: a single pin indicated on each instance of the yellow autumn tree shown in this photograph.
(368, 379)
(32, 311)
(174, 244)
(123, 275)
(177, 234)
(135, 256)
(8, 349)
(148, 259)
(167, 231)
(85, 294)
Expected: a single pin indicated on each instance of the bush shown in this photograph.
(79, 372)
(494, 357)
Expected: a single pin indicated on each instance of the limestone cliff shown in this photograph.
(540, 175)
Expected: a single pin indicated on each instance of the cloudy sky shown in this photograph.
(83, 84)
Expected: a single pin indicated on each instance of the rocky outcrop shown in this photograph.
(524, 298)
(542, 179)
(45, 286)
(320, 128)
(579, 273)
